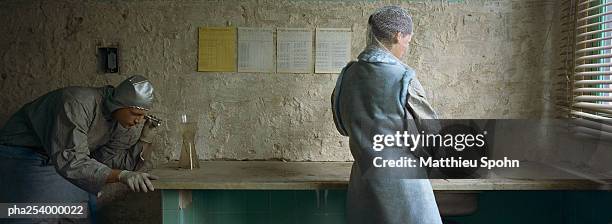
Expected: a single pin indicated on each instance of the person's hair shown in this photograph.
(387, 21)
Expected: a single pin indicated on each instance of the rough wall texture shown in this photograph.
(476, 59)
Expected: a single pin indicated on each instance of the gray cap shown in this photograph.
(134, 92)
(387, 21)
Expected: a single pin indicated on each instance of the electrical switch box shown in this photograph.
(109, 59)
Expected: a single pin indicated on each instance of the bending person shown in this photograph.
(74, 140)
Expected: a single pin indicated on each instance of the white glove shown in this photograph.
(137, 181)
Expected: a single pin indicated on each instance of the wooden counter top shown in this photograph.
(277, 175)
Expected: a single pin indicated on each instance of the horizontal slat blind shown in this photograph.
(589, 82)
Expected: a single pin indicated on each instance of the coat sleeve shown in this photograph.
(335, 114)
(335, 104)
(68, 148)
(123, 151)
(424, 114)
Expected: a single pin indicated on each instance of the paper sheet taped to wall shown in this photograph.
(333, 49)
(294, 50)
(217, 49)
(255, 49)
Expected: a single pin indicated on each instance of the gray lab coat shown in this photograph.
(73, 130)
(378, 94)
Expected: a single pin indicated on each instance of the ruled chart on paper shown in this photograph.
(217, 49)
(333, 49)
(255, 49)
(294, 50)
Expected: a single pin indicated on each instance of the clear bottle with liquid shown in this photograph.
(189, 157)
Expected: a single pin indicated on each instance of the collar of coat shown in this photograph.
(375, 54)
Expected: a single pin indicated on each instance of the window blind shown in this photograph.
(586, 56)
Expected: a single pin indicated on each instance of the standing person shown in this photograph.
(70, 142)
(379, 94)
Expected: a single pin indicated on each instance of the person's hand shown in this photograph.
(149, 129)
(137, 181)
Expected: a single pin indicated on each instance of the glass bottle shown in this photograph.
(189, 157)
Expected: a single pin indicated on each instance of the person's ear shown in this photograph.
(119, 113)
(114, 114)
(397, 37)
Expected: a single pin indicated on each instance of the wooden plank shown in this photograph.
(276, 175)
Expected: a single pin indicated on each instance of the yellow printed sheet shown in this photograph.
(217, 49)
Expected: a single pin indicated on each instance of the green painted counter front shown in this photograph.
(305, 206)
(256, 206)
(229, 192)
